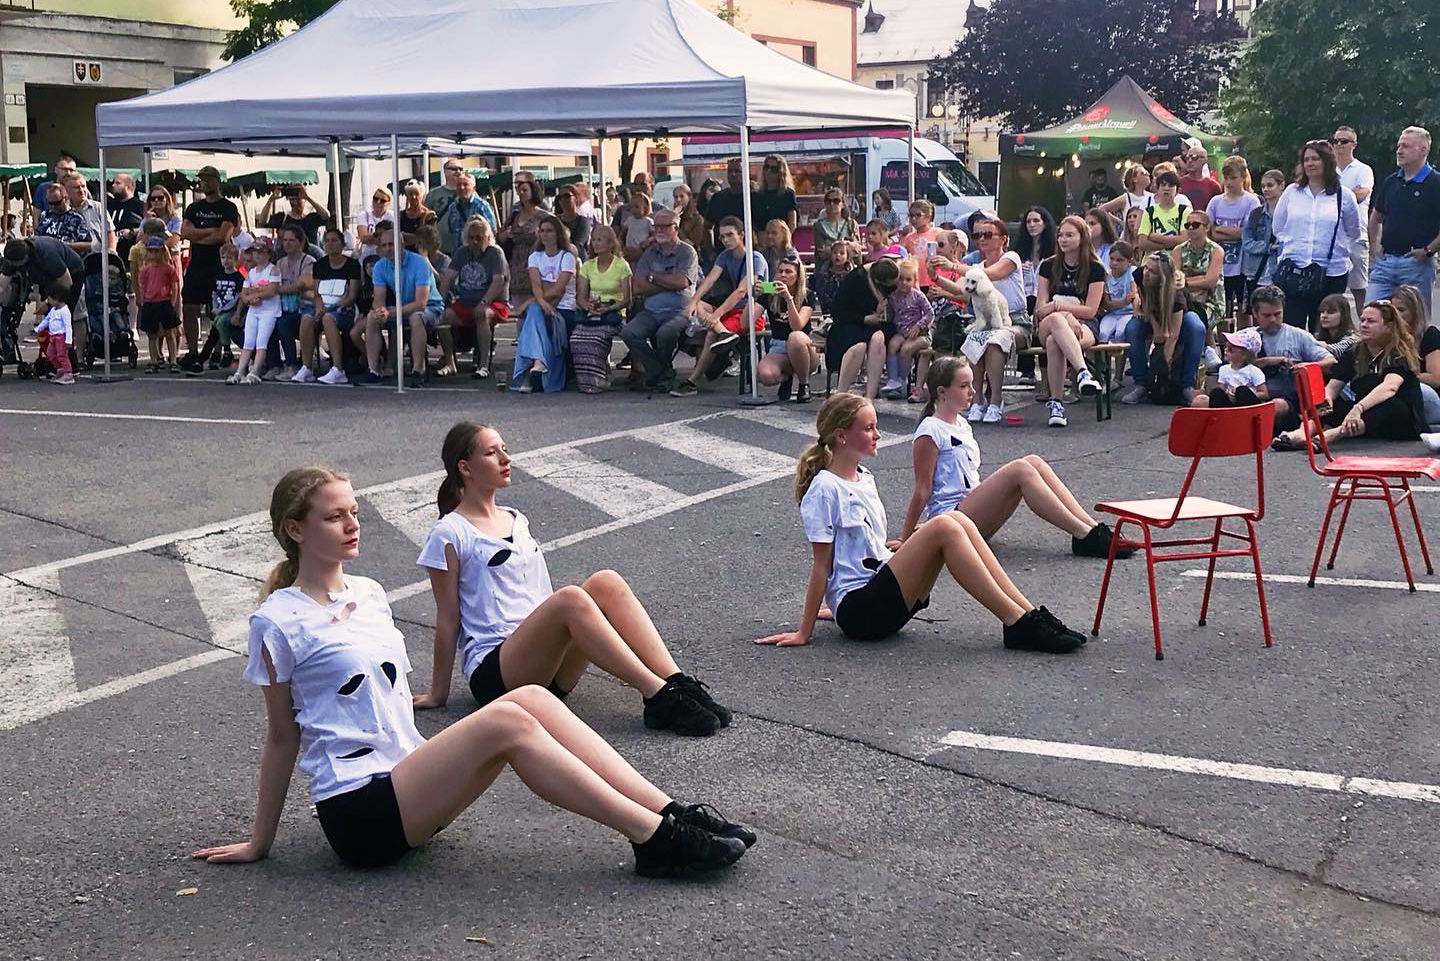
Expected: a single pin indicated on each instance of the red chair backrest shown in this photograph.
(1310, 391)
(1221, 431)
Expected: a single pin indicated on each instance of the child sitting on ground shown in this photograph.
(878, 243)
(1242, 384)
(1121, 294)
(907, 333)
(158, 293)
(56, 334)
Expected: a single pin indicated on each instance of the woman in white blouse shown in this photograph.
(325, 650)
(1316, 221)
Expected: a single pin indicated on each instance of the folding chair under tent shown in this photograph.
(686, 72)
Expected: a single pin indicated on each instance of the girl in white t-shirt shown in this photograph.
(547, 316)
(871, 591)
(260, 300)
(325, 650)
(947, 474)
(494, 604)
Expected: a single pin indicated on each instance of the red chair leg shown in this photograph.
(1210, 574)
(1154, 601)
(1259, 579)
(1344, 518)
(1324, 530)
(1419, 531)
(1399, 537)
(1105, 581)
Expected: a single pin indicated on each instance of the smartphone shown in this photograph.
(291, 191)
(768, 287)
(931, 248)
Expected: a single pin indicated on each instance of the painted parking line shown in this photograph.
(149, 417)
(1260, 774)
(1326, 581)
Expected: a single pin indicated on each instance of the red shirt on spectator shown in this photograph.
(1200, 190)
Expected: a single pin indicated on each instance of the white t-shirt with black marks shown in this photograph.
(346, 665)
(849, 515)
(501, 581)
(957, 464)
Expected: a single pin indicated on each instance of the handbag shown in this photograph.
(1306, 282)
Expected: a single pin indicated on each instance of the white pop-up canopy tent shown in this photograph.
(507, 68)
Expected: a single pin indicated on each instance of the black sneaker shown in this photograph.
(369, 377)
(685, 388)
(782, 393)
(1059, 625)
(802, 393)
(699, 692)
(672, 709)
(1033, 632)
(711, 821)
(1097, 544)
(678, 849)
(414, 380)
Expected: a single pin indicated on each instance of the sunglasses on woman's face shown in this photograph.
(1194, 226)
(834, 200)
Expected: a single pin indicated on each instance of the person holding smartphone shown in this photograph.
(921, 243)
(310, 222)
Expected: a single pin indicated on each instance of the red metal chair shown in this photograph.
(1359, 478)
(1199, 433)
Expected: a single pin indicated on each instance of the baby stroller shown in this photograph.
(14, 295)
(122, 339)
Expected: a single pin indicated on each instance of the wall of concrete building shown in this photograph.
(826, 27)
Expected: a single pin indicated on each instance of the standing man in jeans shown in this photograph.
(1357, 175)
(1405, 221)
(209, 223)
(665, 275)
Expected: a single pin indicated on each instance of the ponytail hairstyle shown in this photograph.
(290, 501)
(459, 445)
(942, 373)
(837, 414)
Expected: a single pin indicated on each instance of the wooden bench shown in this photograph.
(1103, 357)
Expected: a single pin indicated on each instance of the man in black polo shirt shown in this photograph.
(208, 223)
(1405, 221)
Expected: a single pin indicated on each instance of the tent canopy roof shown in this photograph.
(461, 69)
(1126, 120)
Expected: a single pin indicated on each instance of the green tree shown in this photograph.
(268, 21)
(1033, 63)
(1313, 64)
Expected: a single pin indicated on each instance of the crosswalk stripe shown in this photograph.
(409, 507)
(780, 419)
(39, 666)
(223, 568)
(728, 455)
(617, 492)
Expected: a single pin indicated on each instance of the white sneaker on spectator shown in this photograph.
(892, 389)
(976, 413)
(1431, 441)
(993, 414)
(303, 376)
(334, 375)
(251, 378)
(733, 370)
(234, 378)
(1057, 414)
(1085, 383)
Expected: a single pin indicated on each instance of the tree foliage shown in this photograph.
(1033, 63)
(1313, 64)
(268, 21)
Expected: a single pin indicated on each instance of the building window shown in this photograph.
(807, 54)
(885, 85)
(182, 75)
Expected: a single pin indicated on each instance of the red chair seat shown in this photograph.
(1411, 467)
(1161, 509)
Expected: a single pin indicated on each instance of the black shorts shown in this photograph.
(198, 286)
(364, 825)
(1235, 294)
(158, 315)
(487, 684)
(877, 610)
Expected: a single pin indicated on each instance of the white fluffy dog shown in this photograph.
(987, 303)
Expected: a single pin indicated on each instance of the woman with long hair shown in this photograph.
(885, 209)
(1102, 233)
(857, 317)
(874, 586)
(602, 294)
(1383, 401)
(1067, 311)
(774, 196)
(1316, 221)
(946, 461)
(791, 354)
(324, 648)
(1411, 305)
(495, 605)
(691, 225)
(1260, 250)
(520, 234)
(1162, 321)
(1136, 180)
(1130, 232)
(548, 314)
(1035, 244)
(835, 225)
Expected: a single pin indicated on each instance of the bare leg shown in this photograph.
(567, 620)
(484, 336)
(447, 773)
(850, 366)
(447, 351)
(798, 350)
(994, 366)
(631, 621)
(417, 344)
(373, 339)
(307, 342)
(771, 370)
(1063, 350)
(952, 541)
(874, 364)
(991, 504)
(332, 340)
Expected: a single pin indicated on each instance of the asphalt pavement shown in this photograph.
(932, 796)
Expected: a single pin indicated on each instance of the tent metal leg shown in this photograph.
(107, 378)
(398, 348)
(753, 399)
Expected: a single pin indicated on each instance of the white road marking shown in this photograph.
(409, 506)
(1315, 780)
(157, 417)
(1326, 581)
(728, 455)
(38, 665)
(617, 492)
(223, 569)
(780, 420)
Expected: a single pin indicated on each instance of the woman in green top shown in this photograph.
(602, 292)
(834, 225)
(1200, 259)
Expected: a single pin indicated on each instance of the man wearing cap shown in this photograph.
(1242, 384)
(208, 223)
